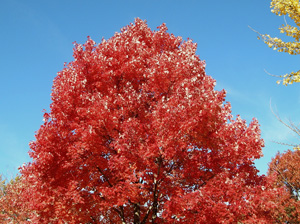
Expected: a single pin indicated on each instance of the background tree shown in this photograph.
(286, 173)
(137, 134)
(284, 168)
(14, 208)
(291, 8)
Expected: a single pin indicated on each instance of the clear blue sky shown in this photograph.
(36, 39)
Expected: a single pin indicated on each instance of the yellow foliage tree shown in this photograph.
(291, 8)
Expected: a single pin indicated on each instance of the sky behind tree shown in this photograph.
(37, 38)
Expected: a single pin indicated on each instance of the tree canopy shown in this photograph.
(284, 167)
(136, 133)
(291, 8)
(14, 206)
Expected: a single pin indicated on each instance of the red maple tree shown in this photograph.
(14, 206)
(285, 171)
(137, 134)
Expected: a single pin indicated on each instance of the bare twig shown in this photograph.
(289, 125)
(278, 76)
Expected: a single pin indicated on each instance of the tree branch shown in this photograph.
(154, 206)
(106, 179)
(137, 213)
(285, 179)
(155, 192)
(121, 211)
(291, 126)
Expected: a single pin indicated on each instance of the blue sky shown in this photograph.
(36, 39)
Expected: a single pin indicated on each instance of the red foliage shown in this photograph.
(137, 134)
(14, 206)
(285, 171)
